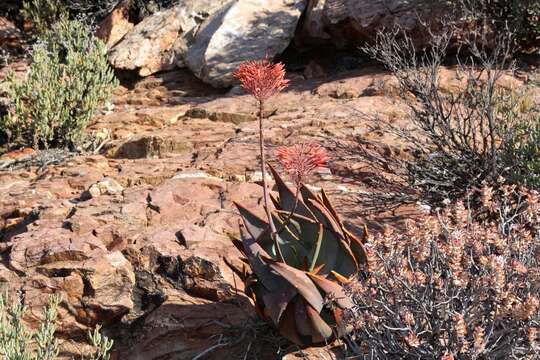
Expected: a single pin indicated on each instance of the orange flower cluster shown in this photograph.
(300, 160)
(261, 79)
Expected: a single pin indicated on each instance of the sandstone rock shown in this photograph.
(184, 327)
(327, 353)
(110, 281)
(227, 109)
(48, 245)
(314, 70)
(115, 26)
(193, 14)
(313, 24)
(151, 263)
(243, 30)
(159, 42)
(357, 84)
(144, 146)
(352, 22)
(106, 186)
(148, 47)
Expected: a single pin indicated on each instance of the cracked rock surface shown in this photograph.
(137, 238)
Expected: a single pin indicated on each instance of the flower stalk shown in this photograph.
(262, 80)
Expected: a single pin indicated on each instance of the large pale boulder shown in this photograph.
(244, 30)
(159, 42)
(353, 22)
(148, 47)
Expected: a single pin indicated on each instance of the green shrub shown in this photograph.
(43, 13)
(69, 79)
(17, 342)
(465, 134)
(15, 337)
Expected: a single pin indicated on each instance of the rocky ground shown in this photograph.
(137, 238)
(136, 235)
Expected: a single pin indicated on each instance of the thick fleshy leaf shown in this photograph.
(303, 324)
(287, 326)
(330, 207)
(342, 327)
(342, 279)
(324, 216)
(317, 249)
(346, 263)
(308, 230)
(328, 252)
(307, 194)
(251, 292)
(254, 224)
(358, 249)
(239, 245)
(333, 291)
(281, 292)
(292, 249)
(287, 197)
(254, 251)
(301, 282)
(317, 269)
(322, 331)
(276, 302)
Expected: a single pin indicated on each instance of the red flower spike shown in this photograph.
(300, 160)
(261, 78)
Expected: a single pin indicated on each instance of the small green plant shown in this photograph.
(15, 337)
(17, 342)
(102, 344)
(69, 79)
(43, 13)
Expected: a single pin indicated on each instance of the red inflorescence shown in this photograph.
(300, 160)
(261, 78)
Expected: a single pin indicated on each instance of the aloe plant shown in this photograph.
(303, 294)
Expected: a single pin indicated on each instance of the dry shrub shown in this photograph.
(448, 287)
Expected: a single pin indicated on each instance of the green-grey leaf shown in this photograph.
(254, 224)
(328, 252)
(334, 290)
(322, 330)
(301, 282)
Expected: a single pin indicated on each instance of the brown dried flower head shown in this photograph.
(300, 160)
(261, 78)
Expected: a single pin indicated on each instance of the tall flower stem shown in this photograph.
(273, 233)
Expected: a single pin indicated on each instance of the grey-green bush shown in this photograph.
(462, 137)
(69, 79)
(43, 13)
(15, 337)
(17, 342)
